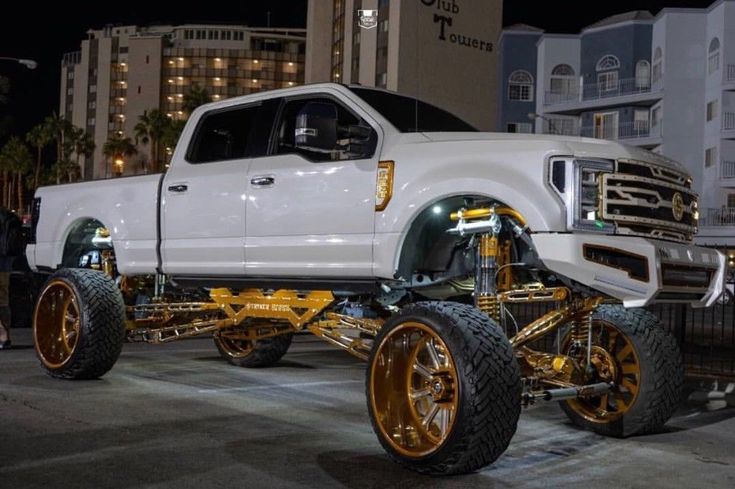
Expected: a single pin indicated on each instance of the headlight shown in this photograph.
(578, 184)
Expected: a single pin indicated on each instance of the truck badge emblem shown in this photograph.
(368, 18)
(677, 206)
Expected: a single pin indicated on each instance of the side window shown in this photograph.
(223, 135)
(355, 139)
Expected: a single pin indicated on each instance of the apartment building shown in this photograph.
(122, 71)
(442, 51)
(665, 83)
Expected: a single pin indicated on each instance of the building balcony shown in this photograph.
(727, 170)
(728, 125)
(639, 133)
(598, 95)
(718, 217)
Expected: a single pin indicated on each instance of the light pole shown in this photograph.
(28, 63)
(533, 116)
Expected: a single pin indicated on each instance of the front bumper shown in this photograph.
(637, 271)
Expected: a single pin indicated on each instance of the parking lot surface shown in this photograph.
(178, 416)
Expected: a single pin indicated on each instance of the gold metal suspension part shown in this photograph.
(160, 322)
(355, 335)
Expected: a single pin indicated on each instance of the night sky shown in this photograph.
(45, 31)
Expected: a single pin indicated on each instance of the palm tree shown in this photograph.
(117, 148)
(150, 129)
(172, 135)
(83, 144)
(60, 128)
(39, 137)
(194, 98)
(16, 161)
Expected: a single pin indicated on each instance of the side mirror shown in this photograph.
(316, 127)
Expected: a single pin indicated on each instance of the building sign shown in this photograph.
(445, 11)
(367, 18)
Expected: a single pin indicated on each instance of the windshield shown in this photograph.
(411, 115)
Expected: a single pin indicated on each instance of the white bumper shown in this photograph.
(662, 271)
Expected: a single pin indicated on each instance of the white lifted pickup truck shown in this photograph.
(395, 230)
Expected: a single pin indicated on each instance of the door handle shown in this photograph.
(262, 181)
(178, 188)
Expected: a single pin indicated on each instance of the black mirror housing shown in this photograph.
(316, 127)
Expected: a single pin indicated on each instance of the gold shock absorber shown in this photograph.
(581, 327)
(486, 297)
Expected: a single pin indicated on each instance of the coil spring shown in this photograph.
(488, 303)
(581, 328)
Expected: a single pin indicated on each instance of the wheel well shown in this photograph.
(79, 241)
(427, 246)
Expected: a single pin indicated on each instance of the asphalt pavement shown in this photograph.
(178, 416)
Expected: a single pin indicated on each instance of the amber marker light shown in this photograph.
(384, 185)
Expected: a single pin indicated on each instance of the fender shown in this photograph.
(423, 178)
(126, 206)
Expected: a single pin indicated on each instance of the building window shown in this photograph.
(147, 59)
(139, 89)
(714, 56)
(657, 72)
(91, 121)
(655, 116)
(641, 123)
(93, 89)
(70, 91)
(520, 127)
(70, 75)
(731, 201)
(561, 126)
(710, 156)
(381, 80)
(608, 62)
(520, 86)
(563, 81)
(607, 73)
(92, 104)
(642, 75)
(606, 125)
(383, 27)
(711, 110)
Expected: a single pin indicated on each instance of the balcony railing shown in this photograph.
(600, 90)
(730, 73)
(724, 216)
(727, 170)
(728, 121)
(625, 130)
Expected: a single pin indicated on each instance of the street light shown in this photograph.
(533, 116)
(28, 63)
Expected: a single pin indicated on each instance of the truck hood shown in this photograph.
(575, 146)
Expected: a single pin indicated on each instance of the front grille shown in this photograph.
(648, 200)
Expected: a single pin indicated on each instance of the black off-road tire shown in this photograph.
(662, 374)
(102, 324)
(264, 353)
(489, 388)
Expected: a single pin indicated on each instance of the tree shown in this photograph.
(83, 145)
(194, 98)
(60, 128)
(117, 148)
(15, 161)
(39, 137)
(150, 129)
(172, 134)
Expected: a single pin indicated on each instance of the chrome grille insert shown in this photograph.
(648, 200)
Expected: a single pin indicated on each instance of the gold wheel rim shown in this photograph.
(56, 324)
(414, 390)
(234, 343)
(615, 356)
